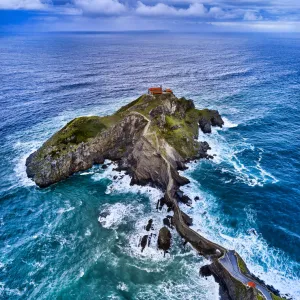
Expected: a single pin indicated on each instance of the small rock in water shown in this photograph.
(144, 242)
(205, 271)
(104, 166)
(149, 225)
(164, 239)
(115, 177)
(197, 198)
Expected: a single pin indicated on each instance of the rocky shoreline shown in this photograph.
(151, 138)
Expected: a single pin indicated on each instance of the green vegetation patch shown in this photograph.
(180, 135)
(205, 113)
(75, 132)
(79, 130)
(242, 265)
(260, 297)
(274, 297)
(129, 105)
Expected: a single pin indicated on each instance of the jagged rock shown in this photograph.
(149, 225)
(230, 288)
(163, 201)
(186, 200)
(164, 239)
(205, 271)
(205, 125)
(187, 219)
(144, 242)
(207, 120)
(166, 222)
(179, 194)
(183, 198)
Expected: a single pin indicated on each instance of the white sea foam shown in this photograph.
(122, 286)
(88, 232)
(229, 155)
(8, 292)
(67, 208)
(121, 183)
(81, 272)
(25, 149)
(228, 123)
(86, 173)
(191, 287)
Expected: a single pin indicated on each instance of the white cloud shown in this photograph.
(252, 16)
(100, 7)
(161, 9)
(22, 4)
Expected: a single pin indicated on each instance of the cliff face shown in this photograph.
(172, 129)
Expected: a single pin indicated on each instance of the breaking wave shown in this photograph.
(232, 157)
(270, 264)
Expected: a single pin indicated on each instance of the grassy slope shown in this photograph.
(178, 132)
(242, 265)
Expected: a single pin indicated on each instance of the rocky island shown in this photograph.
(152, 138)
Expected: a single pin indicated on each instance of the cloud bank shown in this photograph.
(252, 14)
(22, 4)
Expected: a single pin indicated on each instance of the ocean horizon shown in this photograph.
(79, 238)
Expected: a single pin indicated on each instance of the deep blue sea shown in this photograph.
(56, 244)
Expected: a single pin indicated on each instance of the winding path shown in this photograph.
(227, 258)
(230, 263)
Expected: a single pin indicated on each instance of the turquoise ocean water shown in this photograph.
(79, 239)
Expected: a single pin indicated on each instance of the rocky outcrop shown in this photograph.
(144, 241)
(230, 288)
(207, 120)
(51, 164)
(164, 239)
(90, 140)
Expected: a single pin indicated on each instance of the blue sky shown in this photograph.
(174, 15)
